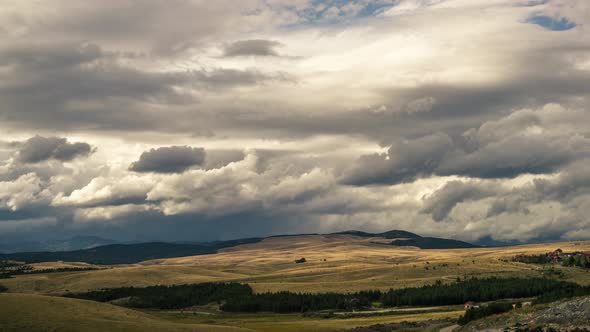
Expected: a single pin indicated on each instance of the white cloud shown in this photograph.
(284, 96)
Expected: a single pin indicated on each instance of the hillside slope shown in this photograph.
(339, 263)
(125, 253)
(25, 312)
(432, 243)
(134, 253)
(564, 316)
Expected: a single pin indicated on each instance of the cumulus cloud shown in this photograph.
(173, 159)
(441, 202)
(38, 148)
(404, 161)
(468, 133)
(26, 191)
(252, 47)
(524, 142)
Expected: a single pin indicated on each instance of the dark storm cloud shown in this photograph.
(220, 158)
(38, 148)
(463, 103)
(524, 142)
(570, 188)
(510, 158)
(404, 161)
(573, 182)
(159, 28)
(442, 201)
(173, 159)
(71, 85)
(252, 47)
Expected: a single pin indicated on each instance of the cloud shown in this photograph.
(101, 89)
(441, 202)
(524, 142)
(18, 226)
(27, 191)
(37, 149)
(173, 159)
(456, 132)
(405, 161)
(109, 190)
(252, 47)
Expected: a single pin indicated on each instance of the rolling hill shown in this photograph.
(26, 312)
(134, 253)
(394, 234)
(432, 243)
(125, 253)
(73, 243)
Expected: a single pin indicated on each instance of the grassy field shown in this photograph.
(297, 323)
(27, 312)
(336, 263)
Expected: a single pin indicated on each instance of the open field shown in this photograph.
(26, 312)
(339, 263)
(296, 323)
(20, 312)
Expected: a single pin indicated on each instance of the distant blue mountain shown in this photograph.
(74, 243)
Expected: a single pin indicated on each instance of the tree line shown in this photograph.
(284, 302)
(169, 297)
(13, 270)
(236, 297)
(577, 259)
(479, 290)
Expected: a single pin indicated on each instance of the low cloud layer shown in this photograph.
(200, 120)
(524, 142)
(253, 47)
(38, 149)
(174, 159)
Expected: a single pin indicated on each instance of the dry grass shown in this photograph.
(337, 263)
(26, 312)
(296, 323)
(334, 263)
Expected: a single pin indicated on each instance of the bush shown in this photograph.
(484, 311)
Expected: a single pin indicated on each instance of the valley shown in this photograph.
(338, 263)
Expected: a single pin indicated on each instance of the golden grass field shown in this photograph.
(338, 263)
(28, 312)
(298, 323)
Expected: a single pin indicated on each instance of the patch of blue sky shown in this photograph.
(330, 12)
(551, 23)
(533, 3)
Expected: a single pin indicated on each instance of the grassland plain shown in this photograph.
(337, 263)
(29, 312)
(297, 323)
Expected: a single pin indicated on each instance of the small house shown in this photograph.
(471, 305)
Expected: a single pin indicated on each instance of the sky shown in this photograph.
(197, 120)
